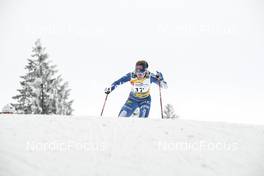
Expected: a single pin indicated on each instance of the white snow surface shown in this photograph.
(86, 146)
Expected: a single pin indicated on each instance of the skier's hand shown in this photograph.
(107, 90)
(159, 76)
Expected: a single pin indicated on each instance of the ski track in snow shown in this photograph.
(131, 146)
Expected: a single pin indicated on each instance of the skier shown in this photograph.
(139, 96)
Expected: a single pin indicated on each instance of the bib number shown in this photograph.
(139, 89)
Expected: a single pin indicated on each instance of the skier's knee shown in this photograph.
(144, 111)
(123, 113)
(126, 111)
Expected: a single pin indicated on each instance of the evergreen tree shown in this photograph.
(42, 92)
(169, 112)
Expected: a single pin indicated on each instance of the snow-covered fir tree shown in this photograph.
(169, 112)
(8, 109)
(42, 92)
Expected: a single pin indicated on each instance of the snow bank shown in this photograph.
(73, 146)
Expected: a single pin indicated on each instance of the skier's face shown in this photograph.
(140, 72)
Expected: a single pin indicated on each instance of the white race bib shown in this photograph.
(141, 87)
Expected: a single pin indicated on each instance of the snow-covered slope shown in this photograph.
(73, 146)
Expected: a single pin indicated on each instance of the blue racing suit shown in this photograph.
(139, 96)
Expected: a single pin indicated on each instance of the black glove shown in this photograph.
(107, 90)
(159, 76)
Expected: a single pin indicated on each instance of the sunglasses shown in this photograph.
(140, 72)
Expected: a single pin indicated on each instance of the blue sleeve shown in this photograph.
(153, 79)
(120, 81)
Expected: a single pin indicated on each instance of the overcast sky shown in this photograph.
(210, 52)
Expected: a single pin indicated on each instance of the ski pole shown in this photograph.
(161, 106)
(104, 104)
